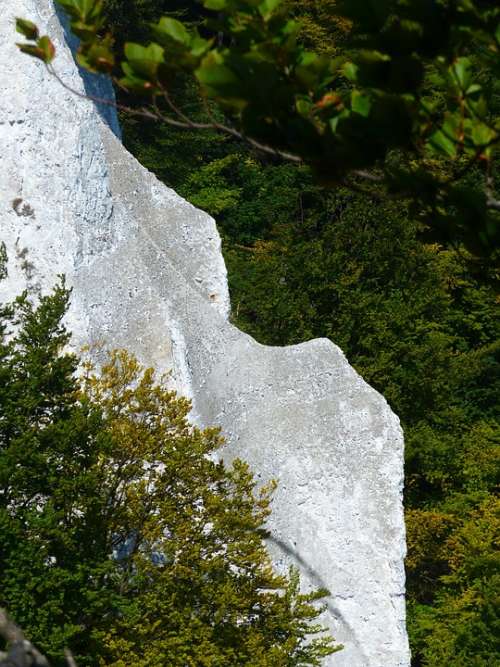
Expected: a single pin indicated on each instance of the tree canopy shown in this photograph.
(355, 263)
(122, 534)
(409, 103)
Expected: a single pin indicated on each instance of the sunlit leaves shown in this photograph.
(43, 49)
(97, 57)
(173, 29)
(361, 104)
(83, 11)
(414, 79)
(27, 28)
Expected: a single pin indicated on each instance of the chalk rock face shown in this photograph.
(147, 274)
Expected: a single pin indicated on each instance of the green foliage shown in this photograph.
(402, 94)
(132, 20)
(416, 323)
(461, 628)
(420, 329)
(409, 89)
(121, 534)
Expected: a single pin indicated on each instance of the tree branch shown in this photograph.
(184, 124)
(491, 202)
(69, 658)
(368, 176)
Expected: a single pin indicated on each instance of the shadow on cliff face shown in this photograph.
(317, 582)
(96, 85)
(306, 569)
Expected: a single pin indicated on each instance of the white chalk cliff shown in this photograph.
(148, 274)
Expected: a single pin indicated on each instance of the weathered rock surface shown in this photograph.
(148, 274)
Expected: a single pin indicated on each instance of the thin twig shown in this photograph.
(184, 124)
(368, 176)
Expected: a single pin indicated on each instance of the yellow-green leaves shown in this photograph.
(43, 49)
(97, 56)
(27, 28)
(40, 47)
(169, 27)
(190, 532)
(361, 103)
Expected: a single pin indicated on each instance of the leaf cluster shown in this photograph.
(411, 316)
(122, 534)
(406, 95)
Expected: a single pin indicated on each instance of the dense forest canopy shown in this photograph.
(405, 100)
(400, 273)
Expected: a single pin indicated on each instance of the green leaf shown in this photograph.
(27, 28)
(481, 134)
(144, 60)
(351, 71)
(200, 46)
(303, 106)
(361, 104)
(173, 29)
(473, 89)
(216, 75)
(153, 52)
(460, 71)
(439, 142)
(134, 83)
(43, 50)
(216, 5)
(75, 8)
(31, 50)
(267, 7)
(83, 30)
(97, 58)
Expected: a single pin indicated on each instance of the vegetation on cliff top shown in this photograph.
(122, 536)
(412, 315)
(400, 283)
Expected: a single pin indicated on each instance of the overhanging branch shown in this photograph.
(185, 123)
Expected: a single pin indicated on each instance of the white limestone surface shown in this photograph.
(148, 274)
